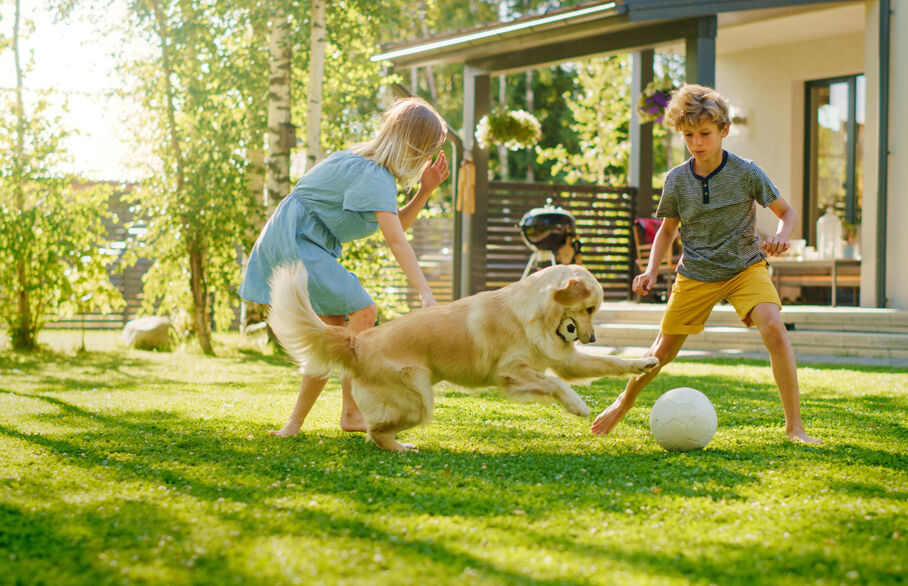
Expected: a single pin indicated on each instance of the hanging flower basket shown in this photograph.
(654, 99)
(513, 129)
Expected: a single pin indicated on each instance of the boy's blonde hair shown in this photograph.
(692, 104)
(411, 133)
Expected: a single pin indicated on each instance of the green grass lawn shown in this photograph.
(121, 466)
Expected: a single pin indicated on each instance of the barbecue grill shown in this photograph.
(546, 230)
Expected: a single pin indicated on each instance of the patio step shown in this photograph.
(814, 331)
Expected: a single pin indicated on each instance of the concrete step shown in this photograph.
(815, 331)
(803, 317)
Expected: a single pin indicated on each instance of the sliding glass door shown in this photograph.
(833, 167)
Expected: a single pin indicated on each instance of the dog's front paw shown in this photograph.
(576, 406)
(645, 364)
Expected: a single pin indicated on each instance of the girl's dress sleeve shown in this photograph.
(373, 191)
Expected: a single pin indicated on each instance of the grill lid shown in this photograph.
(547, 228)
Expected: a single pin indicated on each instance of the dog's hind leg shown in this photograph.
(393, 406)
(522, 383)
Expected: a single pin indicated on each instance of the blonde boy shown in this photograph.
(712, 199)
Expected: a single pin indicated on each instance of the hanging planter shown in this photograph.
(513, 129)
(654, 99)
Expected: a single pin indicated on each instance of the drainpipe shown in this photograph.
(883, 156)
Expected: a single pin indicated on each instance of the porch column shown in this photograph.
(700, 53)
(640, 163)
(472, 246)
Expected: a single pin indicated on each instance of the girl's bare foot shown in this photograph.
(288, 430)
(353, 421)
(799, 437)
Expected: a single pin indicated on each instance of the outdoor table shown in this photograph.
(815, 272)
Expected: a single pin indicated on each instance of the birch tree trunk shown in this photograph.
(277, 162)
(23, 337)
(195, 243)
(316, 75)
(430, 73)
(503, 103)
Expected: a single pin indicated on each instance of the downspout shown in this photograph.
(883, 156)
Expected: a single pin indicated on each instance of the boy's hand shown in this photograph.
(643, 283)
(774, 245)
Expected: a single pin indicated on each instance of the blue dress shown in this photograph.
(335, 202)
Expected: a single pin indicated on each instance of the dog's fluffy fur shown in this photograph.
(514, 337)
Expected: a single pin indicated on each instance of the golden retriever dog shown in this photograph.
(520, 338)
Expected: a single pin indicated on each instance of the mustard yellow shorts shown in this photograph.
(692, 301)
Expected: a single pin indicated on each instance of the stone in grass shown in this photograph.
(147, 333)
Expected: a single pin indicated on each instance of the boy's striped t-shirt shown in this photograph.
(718, 216)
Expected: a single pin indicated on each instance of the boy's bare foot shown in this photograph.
(607, 420)
(799, 437)
(353, 421)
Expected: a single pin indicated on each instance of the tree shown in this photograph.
(318, 39)
(600, 114)
(50, 231)
(280, 51)
(198, 91)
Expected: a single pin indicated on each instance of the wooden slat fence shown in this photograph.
(604, 217)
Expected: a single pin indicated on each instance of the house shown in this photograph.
(818, 87)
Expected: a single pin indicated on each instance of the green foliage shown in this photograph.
(51, 228)
(200, 203)
(129, 466)
(600, 112)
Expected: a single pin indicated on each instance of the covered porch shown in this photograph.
(640, 28)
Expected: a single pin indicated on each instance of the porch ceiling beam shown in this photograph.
(638, 10)
(628, 39)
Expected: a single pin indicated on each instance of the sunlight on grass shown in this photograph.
(142, 467)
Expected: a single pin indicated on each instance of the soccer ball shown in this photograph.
(683, 419)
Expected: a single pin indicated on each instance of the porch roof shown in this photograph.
(579, 31)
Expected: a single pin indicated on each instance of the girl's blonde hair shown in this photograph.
(411, 133)
(692, 104)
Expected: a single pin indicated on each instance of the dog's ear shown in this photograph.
(574, 290)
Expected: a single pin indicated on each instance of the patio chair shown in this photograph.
(644, 230)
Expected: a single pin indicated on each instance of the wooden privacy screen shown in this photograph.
(604, 217)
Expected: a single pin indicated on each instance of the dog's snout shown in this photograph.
(592, 337)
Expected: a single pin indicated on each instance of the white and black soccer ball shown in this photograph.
(683, 419)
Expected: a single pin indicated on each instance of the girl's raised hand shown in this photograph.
(435, 173)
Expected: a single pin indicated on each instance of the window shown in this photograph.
(833, 165)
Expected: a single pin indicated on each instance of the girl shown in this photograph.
(347, 197)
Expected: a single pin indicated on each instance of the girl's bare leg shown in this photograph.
(310, 389)
(351, 416)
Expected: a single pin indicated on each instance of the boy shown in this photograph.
(712, 198)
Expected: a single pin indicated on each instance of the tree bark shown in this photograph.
(430, 73)
(23, 336)
(194, 241)
(316, 75)
(280, 129)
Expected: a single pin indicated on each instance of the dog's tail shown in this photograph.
(317, 347)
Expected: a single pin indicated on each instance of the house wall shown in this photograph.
(765, 82)
(897, 202)
(766, 85)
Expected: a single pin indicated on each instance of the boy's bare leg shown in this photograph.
(665, 348)
(768, 319)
